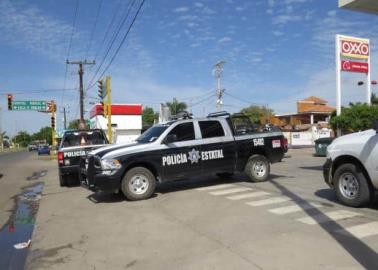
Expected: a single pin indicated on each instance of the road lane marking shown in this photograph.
(216, 187)
(330, 216)
(269, 201)
(361, 231)
(293, 208)
(248, 195)
(229, 191)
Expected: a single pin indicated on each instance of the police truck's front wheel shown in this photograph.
(138, 184)
(257, 168)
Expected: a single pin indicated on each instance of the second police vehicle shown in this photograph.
(219, 144)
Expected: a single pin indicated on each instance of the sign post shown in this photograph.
(352, 55)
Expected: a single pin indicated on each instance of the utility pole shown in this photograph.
(81, 73)
(218, 69)
(64, 118)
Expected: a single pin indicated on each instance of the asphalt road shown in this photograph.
(22, 176)
(290, 222)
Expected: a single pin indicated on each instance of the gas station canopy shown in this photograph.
(370, 6)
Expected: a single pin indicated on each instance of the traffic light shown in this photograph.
(10, 101)
(100, 90)
(52, 122)
(101, 110)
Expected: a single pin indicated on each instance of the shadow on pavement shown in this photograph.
(330, 195)
(315, 168)
(103, 197)
(361, 252)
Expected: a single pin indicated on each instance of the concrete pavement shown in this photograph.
(292, 223)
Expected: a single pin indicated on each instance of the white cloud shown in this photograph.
(199, 4)
(181, 9)
(331, 13)
(28, 28)
(284, 19)
(277, 33)
(271, 3)
(224, 39)
(288, 2)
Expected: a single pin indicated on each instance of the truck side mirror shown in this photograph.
(170, 138)
(375, 125)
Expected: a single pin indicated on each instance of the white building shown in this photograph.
(126, 121)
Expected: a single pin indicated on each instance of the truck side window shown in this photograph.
(210, 129)
(184, 132)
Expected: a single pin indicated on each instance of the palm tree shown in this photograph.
(374, 99)
(175, 106)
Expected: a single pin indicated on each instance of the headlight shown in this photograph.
(110, 166)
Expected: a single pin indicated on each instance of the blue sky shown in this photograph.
(276, 53)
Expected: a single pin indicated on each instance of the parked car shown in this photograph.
(43, 150)
(351, 167)
(32, 147)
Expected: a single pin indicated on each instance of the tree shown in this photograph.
(175, 106)
(22, 138)
(257, 113)
(44, 134)
(357, 117)
(374, 99)
(148, 116)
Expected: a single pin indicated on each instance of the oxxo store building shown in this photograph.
(126, 121)
(370, 6)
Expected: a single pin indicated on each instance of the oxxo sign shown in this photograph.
(352, 55)
(355, 49)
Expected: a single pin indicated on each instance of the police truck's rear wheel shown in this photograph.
(63, 180)
(257, 168)
(351, 186)
(138, 184)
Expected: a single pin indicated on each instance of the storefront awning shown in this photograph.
(369, 6)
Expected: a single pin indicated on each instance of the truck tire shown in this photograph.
(63, 182)
(138, 184)
(257, 168)
(351, 186)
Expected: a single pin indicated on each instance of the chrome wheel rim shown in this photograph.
(138, 184)
(259, 168)
(348, 185)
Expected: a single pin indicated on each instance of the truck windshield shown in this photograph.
(82, 138)
(152, 133)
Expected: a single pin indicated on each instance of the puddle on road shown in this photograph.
(37, 175)
(19, 227)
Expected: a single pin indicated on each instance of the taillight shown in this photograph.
(284, 142)
(60, 158)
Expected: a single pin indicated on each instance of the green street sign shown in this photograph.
(29, 105)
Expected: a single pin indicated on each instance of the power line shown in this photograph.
(115, 35)
(93, 29)
(39, 91)
(117, 9)
(69, 46)
(124, 38)
(243, 100)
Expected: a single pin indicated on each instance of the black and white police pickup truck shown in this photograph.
(218, 144)
(74, 145)
(351, 167)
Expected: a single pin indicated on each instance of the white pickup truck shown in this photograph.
(352, 167)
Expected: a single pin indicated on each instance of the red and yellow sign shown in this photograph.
(355, 48)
